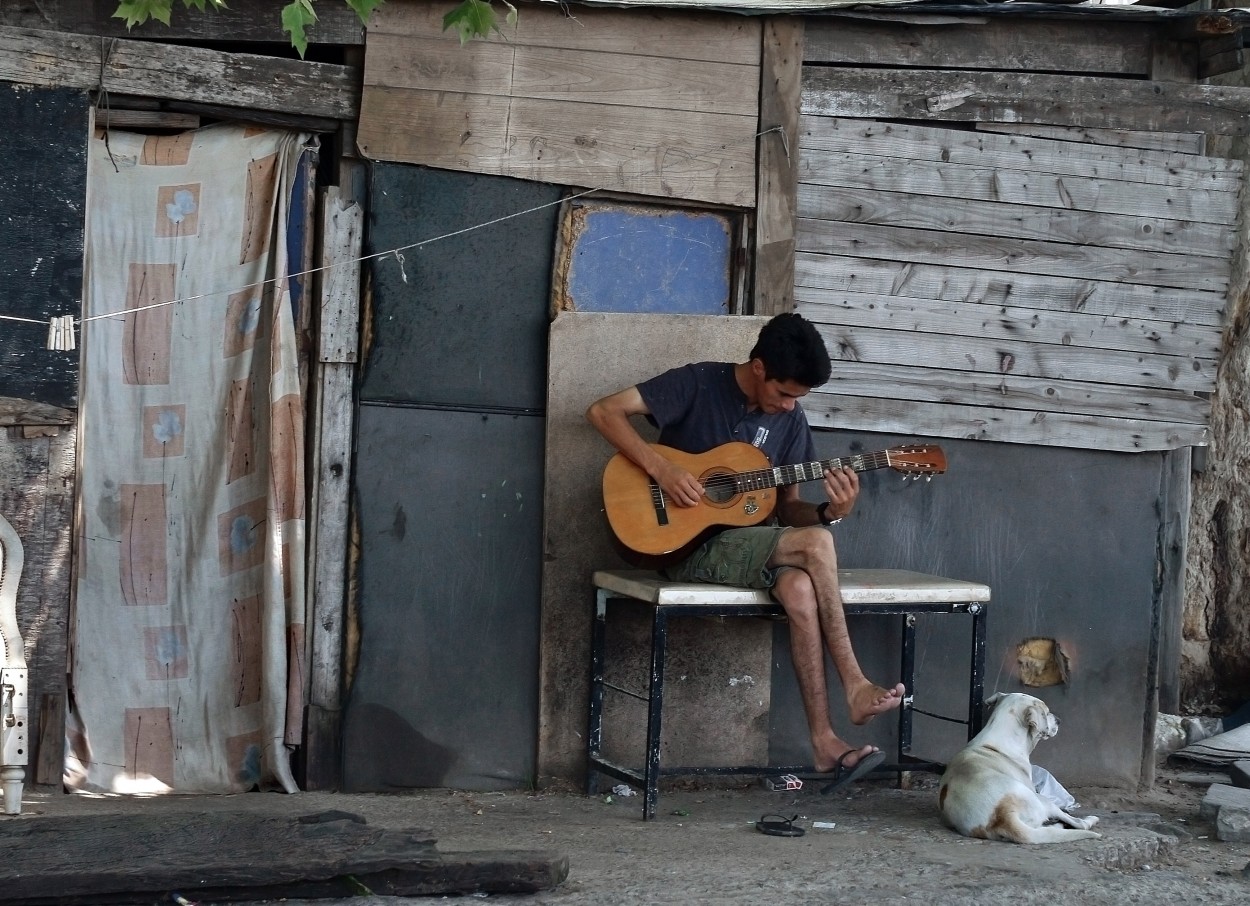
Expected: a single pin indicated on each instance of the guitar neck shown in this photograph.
(780, 476)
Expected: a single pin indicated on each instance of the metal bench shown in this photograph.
(864, 591)
(14, 752)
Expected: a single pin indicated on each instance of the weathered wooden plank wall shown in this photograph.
(1062, 288)
(655, 104)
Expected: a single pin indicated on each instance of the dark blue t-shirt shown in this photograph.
(698, 407)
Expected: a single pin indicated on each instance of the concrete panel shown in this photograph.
(592, 355)
(1068, 542)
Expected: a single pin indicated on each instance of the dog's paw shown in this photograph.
(1089, 822)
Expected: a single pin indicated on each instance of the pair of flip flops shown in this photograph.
(841, 776)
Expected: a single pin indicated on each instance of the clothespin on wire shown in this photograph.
(61, 333)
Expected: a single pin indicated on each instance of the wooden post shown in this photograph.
(334, 413)
(777, 165)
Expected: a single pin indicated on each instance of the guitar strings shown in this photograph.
(733, 479)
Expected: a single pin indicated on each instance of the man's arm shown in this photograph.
(611, 415)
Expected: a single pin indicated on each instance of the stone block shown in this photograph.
(1239, 773)
(1220, 796)
(1232, 824)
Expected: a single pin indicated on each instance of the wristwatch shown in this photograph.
(822, 513)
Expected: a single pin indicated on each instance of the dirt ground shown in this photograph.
(884, 845)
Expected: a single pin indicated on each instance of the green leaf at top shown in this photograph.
(297, 16)
(471, 19)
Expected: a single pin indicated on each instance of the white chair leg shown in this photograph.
(12, 776)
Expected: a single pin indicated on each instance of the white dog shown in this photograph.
(987, 789)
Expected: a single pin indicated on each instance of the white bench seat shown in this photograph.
(893, 592)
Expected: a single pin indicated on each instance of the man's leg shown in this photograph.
(795, 592)
(811, 550)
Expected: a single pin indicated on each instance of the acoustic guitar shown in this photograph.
(740, 487)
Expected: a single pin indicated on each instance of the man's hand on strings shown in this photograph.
(679, 485)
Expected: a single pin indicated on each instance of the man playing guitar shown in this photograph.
(701, 406)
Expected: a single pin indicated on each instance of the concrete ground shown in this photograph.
(875, 844)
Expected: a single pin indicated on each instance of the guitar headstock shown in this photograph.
(917, 459)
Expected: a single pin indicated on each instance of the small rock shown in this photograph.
(1167, 829)
(1232, 825)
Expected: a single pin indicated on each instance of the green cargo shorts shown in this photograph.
(736, 556)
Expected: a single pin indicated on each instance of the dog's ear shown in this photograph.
(1040, 722)
(994, 700)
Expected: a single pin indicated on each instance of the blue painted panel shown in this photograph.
(635, 259)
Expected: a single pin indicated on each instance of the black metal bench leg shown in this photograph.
(907, 669)
(594, 731)
(976, 687)
(655, 707)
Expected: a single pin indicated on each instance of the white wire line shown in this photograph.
(315, 270)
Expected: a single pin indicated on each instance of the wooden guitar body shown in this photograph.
(650, 525)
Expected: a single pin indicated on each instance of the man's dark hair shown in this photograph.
(792, 350)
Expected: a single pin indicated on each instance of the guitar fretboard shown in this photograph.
(780, 476)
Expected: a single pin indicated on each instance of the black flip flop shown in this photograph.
(844, 776)
(783, 827)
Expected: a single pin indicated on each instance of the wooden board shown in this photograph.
(1175, 142)
(178, 73)
(777, 181)
(989, 182)
(1011, 324)
(256, 20)
(663, 105)
(675, 154)
(1057, 429)
(1017, 44)
(559, 74)
(958, 215)
(1075, 293)
(906, 381)
(1057, 259)
(930, 94)
(974, 353)
(1016, 150)
(679, 35)
(126, 858)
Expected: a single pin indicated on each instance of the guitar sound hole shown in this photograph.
(719, 485)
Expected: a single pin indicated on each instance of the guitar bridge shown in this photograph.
(658, 502)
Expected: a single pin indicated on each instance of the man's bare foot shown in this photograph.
(848, 758)
(869, 700)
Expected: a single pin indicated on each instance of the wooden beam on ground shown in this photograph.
(778, 165)
(244, 855)
(924, 94)
(192, 74)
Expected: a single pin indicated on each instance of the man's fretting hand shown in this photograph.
(842, 489)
